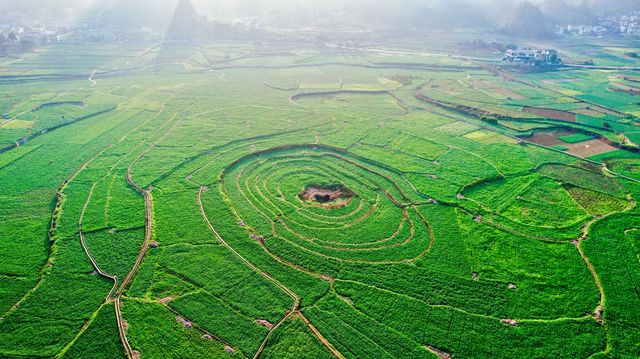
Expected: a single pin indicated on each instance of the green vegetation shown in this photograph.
(227, 200)
(100, 339)
(294, 340)
(578, 137)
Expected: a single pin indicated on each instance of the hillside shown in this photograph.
(186, 23)
(527, 21)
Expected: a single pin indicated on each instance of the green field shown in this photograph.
(226, 200)
(578, 137)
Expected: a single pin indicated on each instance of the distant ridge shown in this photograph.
(186, 24)
(527, 21)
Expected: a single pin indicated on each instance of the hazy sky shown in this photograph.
(157, 12)
(222, 9)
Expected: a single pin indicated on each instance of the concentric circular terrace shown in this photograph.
(377, 225)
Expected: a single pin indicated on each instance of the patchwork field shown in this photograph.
(225, 201)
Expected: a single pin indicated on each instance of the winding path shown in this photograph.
(296, 300)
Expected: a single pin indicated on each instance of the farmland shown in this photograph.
(231, 200)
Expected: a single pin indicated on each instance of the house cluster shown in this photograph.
(533, 57)
(613, 25)
(19, 34)
(25, 37)
(33, 34)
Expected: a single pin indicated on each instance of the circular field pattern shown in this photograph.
(374, 223)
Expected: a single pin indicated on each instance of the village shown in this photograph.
(22, 35)
(21, 39)
(612, 25)
(532, 57)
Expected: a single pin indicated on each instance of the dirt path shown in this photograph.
(54, 222)
(91, 78)
(289, 292)
(86, 249)
(274, 232)
(122, 331)
(109, 298)
(598, 313)
(148, 224)
(324, 342)
(143, 53)
(148, 233)
(614, 68)
(148, 219)
(578, 244)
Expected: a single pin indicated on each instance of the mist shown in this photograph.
(376, 14)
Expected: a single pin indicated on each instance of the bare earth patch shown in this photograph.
(439, 352)
(551, 113)
(511, 322)
(185, 323)
(331, 196)
(256, 237)
(345, 299)
(264, 323)
(549, 138)
(589, 148)
(582, 149)
(166, 300)
(598, 314)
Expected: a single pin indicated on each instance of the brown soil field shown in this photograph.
(550, 138)
(550, 113)
(589, 148)
(582, 149)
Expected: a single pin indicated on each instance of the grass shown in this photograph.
(155, 331)
(100, 338)
(577, 138)
(454, 228)
(294, 340)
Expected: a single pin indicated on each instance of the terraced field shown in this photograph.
(235, 202)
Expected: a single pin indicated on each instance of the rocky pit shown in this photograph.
(327, 195)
